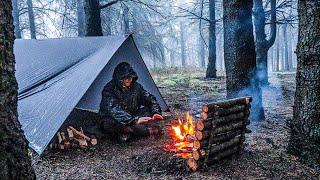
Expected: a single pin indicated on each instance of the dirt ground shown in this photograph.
(264, 156)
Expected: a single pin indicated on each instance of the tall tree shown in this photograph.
(240, 55)
(14, 160)
(277, 60)
(183, 45)
(16, 20)
(305, 125)
(93, 20)
(126, 27)
(80, 16)
(201, 55)
(211, 70)
(31, 20)
(285, 48)
(263, 44)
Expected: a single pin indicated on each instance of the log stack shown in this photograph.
(220, 132)
(72, 138)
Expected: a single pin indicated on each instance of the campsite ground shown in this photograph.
(264, 155)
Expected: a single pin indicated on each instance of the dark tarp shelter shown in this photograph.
(56, 76)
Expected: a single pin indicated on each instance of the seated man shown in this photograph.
(126, 107)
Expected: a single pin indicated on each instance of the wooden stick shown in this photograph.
(223, 119)
(79, 134)
(231, 110)
(225, 145)
(227, 103)
(229, 127)
(219, 138)
(70, 133)
(229, 118)
(59, 137)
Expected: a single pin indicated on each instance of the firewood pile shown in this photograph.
(220, 132)
(72, 137)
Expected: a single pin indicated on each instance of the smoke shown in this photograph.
(252, 89)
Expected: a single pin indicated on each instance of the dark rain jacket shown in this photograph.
(122, 104)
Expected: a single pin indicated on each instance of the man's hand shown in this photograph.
(143, 120)
(157, 117)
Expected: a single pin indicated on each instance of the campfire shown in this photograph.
(182, 134)
(218, 134)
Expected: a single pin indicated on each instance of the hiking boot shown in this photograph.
(155, 130)
(124, 138)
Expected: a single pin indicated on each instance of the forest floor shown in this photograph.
(264, 156)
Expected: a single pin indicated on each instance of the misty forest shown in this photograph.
(160, 89)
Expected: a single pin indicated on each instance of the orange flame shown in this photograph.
(180, 136)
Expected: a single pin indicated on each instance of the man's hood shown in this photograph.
(122, 71)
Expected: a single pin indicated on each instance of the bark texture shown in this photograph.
(305, 126)
(211, 69)
(14, 160)
(93, 19)
(240, 56)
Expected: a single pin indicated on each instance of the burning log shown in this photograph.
(226, 104)
(204, 125)
(202, 135)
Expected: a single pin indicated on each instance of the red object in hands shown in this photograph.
(157, 117)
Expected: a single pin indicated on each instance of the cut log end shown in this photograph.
(196, 155)
(196, 144)
(192, 164)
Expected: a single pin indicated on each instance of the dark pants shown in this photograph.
(114, 128)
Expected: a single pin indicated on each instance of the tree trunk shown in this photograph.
(240, 56)
(290, 49)
(14, 160)
(172, 58)
(201, 53)
(305, 126)
(126, 28)
(272, 58)
(262, 44)
(286, 55)
(31, 20)
(80, 15)
(183, 46)
(211, 69)
(277, 61)
(16, 20)
(93, 19)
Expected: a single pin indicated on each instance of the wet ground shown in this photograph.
(264, 156)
